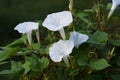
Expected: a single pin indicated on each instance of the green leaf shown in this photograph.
(118, 61)
(44, 62)
(19, 41)
(115, 76)
(82, 15)
(44, 51)
(6, 72)
(34, 62)
(115, 42)
(98, 37)
(109, 6)
(27, 51)
(99, 64)
(8, 52)
(26, 66)
(93, 77)
(16, 69)
(1, 63)
(41, 50)
(36, 46)
(60, 74)
(16, 66)
(81, 56)
(85, 20)
(82, 61)
(72, 72)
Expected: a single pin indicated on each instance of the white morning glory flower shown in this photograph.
(115, 3)
(57, 21)
(61, 50)
(27, 27)
(78, 38)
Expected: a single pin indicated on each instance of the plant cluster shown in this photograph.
(67, 45)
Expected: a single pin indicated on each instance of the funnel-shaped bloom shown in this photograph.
(78, 38)
(115, 3)
(57, 21)
(27, 27)
(61, 50)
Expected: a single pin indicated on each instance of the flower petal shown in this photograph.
(115, 3)
(66, 46)
(112, 10)
(55, 53)
(60, 49)
(56, 21)
(78, 38)
(26, 27)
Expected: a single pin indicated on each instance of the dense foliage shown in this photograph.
(96, 59)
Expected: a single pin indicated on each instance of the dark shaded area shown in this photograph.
(13, 12)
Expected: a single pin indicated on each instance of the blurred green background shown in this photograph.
(13, 12)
